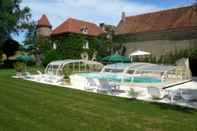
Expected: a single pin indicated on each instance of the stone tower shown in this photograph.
(44, 28)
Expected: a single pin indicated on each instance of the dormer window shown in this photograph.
(84, 30)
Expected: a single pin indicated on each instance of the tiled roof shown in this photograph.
(44, 22)
(178, 18)
(76, 26)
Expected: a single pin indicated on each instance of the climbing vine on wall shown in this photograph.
(70, 46)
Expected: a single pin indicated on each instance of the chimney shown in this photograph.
(102, 26)
(123, 16)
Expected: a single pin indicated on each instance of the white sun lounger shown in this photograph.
(157, 93)
(90, 84)
(103, 86)
(53, 79)
(188, 94)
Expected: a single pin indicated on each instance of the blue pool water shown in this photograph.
(118, 78)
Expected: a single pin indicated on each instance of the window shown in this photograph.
(54, 46)
(84, 30)
(86, 45)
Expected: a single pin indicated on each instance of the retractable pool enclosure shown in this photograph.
(166, 73)
(67, 67)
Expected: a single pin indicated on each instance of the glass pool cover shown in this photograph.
(118, 78)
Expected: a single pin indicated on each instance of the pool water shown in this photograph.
(118, 77)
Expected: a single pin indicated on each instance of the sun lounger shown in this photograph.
(82, 81)
(28, 76)
(157, 93)
(90, 84)
(188, 94)
(103, 86)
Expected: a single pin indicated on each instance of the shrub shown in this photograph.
(51, 55)
(170, 58)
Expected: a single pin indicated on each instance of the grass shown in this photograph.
(31, 106)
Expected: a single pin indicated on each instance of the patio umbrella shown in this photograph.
(116, 58)
(139, 53)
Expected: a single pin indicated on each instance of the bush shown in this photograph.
(8, 63)
(170, 58)
(51, 55)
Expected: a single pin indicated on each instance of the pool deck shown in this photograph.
(191, 84)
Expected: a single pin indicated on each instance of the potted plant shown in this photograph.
(19, 67)
(132, 93)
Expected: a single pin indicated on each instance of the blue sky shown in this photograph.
(98, 11)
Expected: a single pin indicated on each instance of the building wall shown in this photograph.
(44, 31)
(159, 43)
(160, 47)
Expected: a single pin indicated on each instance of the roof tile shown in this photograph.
(74, 26)
(44, 22)
(185, 17)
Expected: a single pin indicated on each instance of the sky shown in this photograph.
(97, 11)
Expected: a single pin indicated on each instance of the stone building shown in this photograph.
(44, 28)
(75, 26)
(160, 32)
(70, 26)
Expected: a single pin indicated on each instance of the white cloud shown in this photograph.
(98, 11)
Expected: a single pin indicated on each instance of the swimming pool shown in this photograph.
(118, 77)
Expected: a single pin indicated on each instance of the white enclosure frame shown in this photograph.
(56, 67)
(178, 72)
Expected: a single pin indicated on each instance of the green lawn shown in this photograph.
(31, 106)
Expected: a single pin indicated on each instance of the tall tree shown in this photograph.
(13, 18)
(9, 47)
(31, 36)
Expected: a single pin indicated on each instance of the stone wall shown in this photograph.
(44, 31)
(160, 47)
(178, 34)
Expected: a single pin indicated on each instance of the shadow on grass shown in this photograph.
(182, 109)
(164, 106)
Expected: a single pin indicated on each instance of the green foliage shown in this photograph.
(9, 47)
(170, 58)
(70, 46)
(1, 56)
(32, 106)
(45, 46)
(51, 55)
(30, 38)
(12, 17)
(103, 46)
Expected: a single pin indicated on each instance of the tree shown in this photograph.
(9, 47)
(31, 36)
(12, 18)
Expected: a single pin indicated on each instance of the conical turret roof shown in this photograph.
(44, 22)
